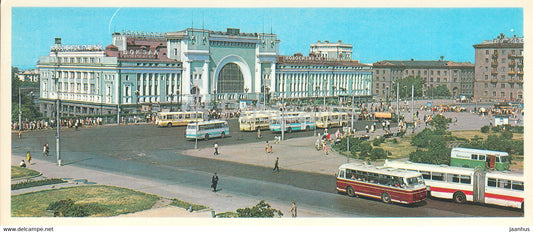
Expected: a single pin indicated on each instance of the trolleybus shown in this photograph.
(207, 129)
(467, 184)
(331, 119)
(468, 157)
(177, 118)
(294, 121)
(256, 120)
(385, 183)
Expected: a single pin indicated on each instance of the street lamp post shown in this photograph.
(58, 136)
(171, 97)
(196, 92)
(137, 100)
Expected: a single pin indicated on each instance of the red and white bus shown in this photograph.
(467, 184)
(385, 183)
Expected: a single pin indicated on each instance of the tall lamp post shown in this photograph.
(58, 136)
(196, 92)
(178, 100)
(171, 97)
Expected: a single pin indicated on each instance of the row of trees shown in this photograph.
(29, 110)
(365, 150)
(419, 83)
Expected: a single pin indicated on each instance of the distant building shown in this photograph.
(457, 76)
(304, 77)
(499, 69)
(332, 51)
(31, 75)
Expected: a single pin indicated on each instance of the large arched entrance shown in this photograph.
(230, 79)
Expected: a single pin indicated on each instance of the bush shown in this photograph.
(485, 129)
(262, 210)
(395, 141)
(29, 184)
(67, 208)
(377, 141)
(379, 153)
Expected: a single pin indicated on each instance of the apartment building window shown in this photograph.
(486, 52)
(486, 60)
(485, 93)
(486, 77)
(493, 85)
(438, 79)
(445, 79)
(511, 85)
(432, 72)
(425, 72)
(445, 73)
(494, 93)
(502, 69)
(503, 60)
(503, 52)
(512, 52)
(377, 71)
(438, 73)
(502, 94)
(503, 85)
(486, 85)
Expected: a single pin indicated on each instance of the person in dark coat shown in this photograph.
(214, 182)
(276, 165)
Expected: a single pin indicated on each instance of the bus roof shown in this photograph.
(380, 170)
(429, 167)
(207, 122)
(179, 112)
(478, 151)
(506, 175)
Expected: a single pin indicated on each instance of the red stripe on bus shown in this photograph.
(503, 197)
(448, 190)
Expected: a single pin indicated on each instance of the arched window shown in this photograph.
(230, 79)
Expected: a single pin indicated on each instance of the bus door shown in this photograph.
(491, 161)
(479, 186)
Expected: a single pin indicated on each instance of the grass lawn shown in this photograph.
(113, 200)
(18, 172)
(400, 149)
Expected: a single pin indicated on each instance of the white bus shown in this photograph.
(467, 184)
(331, 119)
(294, 121)
(177, 118)
(257, 120)
(207, 129)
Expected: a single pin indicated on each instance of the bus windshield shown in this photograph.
(414, 181)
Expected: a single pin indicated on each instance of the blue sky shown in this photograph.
(375, 33)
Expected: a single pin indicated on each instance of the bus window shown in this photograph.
(426, 175)
(465, 179)
(414, 181)
(384, 179)
(497, 159)
(491, 182)
(373, 177)
(341, 174)
(361, 175)
(474, 157)
(481, 157)
(518, 185)
(503, 159)
(437, 176)
(504, 183)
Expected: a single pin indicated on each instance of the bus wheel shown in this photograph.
(206, 137)
(459, 197)
(350, 192)
(223, 135)
(385, 197)
(169, 124)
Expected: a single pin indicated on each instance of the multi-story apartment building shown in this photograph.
(499, 69)
(457, 76)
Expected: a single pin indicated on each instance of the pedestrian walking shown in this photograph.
(216, 149)
(267, 147)
(388, 125)
(20, 134)
(383, 124)
(326, 148)
(214, 182)
(293, 210)
(367, 129)
(259, 133)
(46, 150)
(28, 157)
(276, 165)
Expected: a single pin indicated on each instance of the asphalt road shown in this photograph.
(155, 153)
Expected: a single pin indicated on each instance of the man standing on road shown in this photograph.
(214, 182)
(28, 157)
(276, 165)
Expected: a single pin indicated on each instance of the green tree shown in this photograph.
(28, 108)
(405, 86)
(261, 210)
(440, 123)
